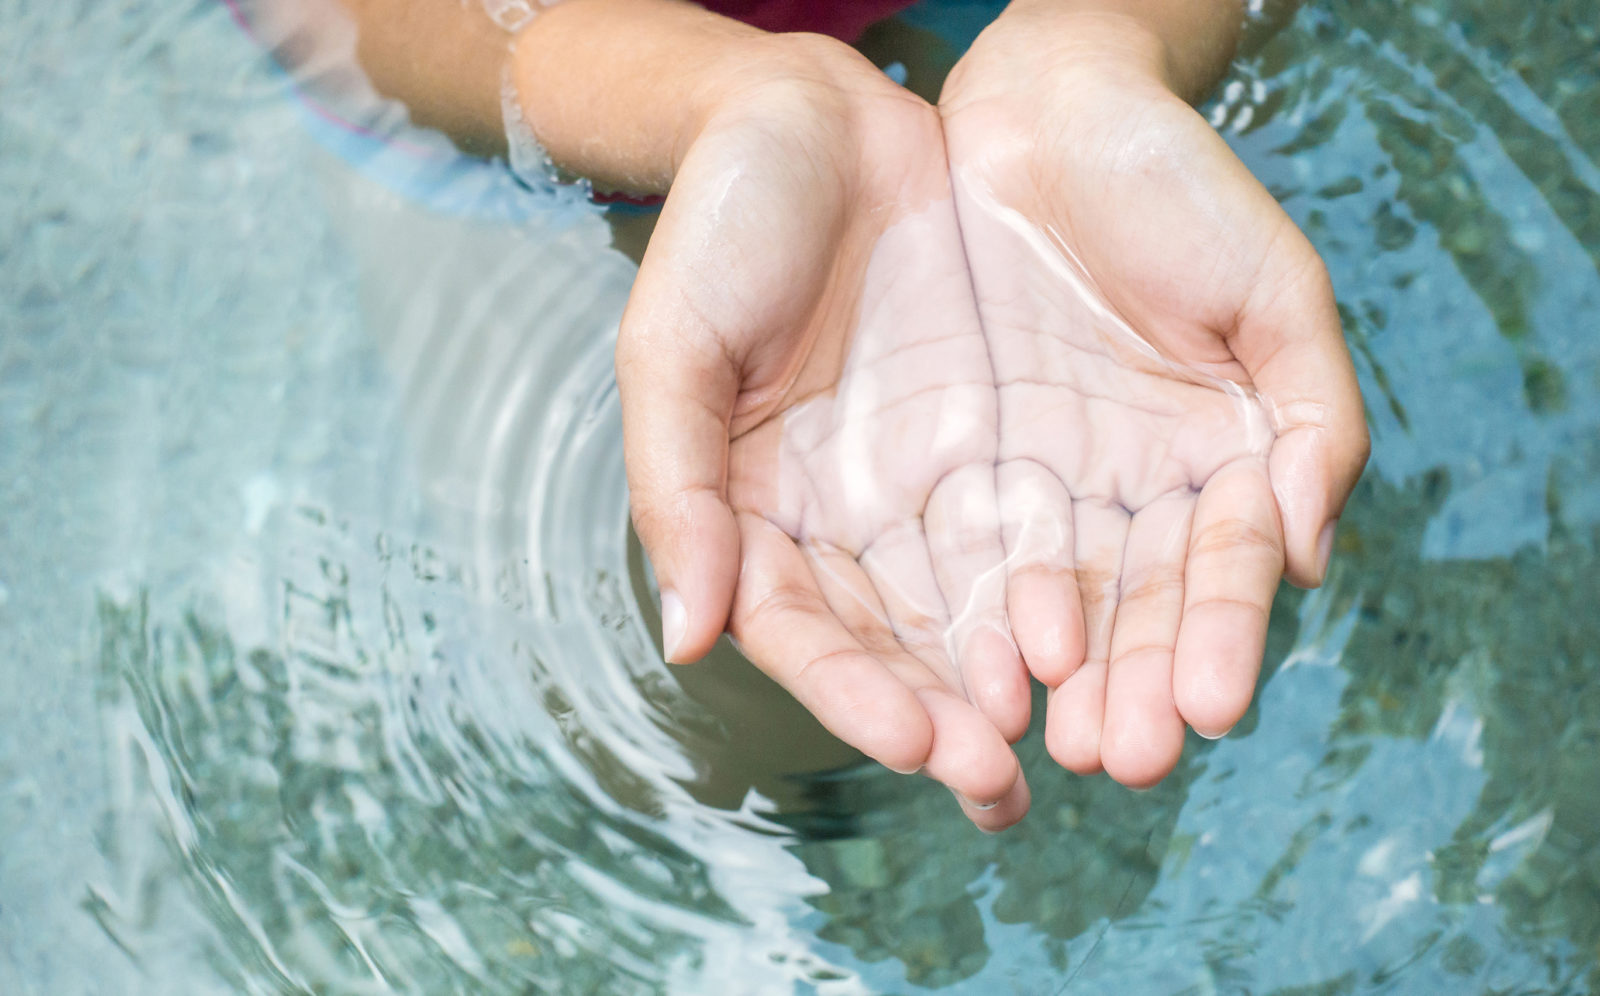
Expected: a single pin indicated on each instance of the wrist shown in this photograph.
(687, 71)
(1030, 54)
(1180, 46)
(789, 82)
(606, 86)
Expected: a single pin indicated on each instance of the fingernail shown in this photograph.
(1216, 736)
(1325, 547)
(982, 808)
(674, 620)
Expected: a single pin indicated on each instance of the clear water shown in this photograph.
(326, 662)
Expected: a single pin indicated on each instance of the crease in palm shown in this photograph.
(1005, 461)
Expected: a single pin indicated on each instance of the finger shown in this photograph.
(1235, 561)
(968, 754)
(787, 630)
(1077, 707)
(1143, 734)
(850, 596)
(901, 571)
(1042, 601)
(1074, 715)
(1290, 341)
(1003, 813)
(853, 598)
(678, 388)
(962, 524)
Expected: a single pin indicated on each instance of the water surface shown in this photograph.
(326, 661)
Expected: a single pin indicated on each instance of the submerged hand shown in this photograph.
(810, 425)
(1179, 421)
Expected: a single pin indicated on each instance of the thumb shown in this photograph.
(1290, 341)
(678, 386)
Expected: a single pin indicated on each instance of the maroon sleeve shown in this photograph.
(843, 19)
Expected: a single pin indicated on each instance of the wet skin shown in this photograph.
(912, 439)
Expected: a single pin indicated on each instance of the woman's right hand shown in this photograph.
(809, 420)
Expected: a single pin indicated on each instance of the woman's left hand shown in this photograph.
(1180, 423)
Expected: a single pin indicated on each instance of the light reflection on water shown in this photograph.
(329, 663)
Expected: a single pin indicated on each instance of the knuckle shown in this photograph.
(1236, 535)
(1130, 655)
(1228, 603)
(658, 514)
(779, 600)
(1156, 585)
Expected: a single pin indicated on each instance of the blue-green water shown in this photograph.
(326, 663)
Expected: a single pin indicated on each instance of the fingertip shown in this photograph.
(1079, 755)
(1325, 548)
(967, 754)
(1047, 618)
(1142, 738)
(902, 747)
(1073, 723)
(1216, 677)
(987, 777)
(992, 783)
(1313, 470)
(1140, 759)
(694, 551)
(1002, 814)
(674, 620)
(1210, 708)
(1212, 722)
(1305, 560)
(1298, 488)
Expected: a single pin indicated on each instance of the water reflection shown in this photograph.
(456, 760)
(370, 656)
(1495, 639)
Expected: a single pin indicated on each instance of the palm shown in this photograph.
(870, 474)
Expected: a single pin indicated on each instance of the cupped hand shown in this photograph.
(810, 423)
(1179, 421)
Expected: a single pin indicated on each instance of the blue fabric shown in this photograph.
(956, 21)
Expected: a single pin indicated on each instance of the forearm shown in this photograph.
(440, 59)
(1187, 43)
(615, 90)
(608, 86)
